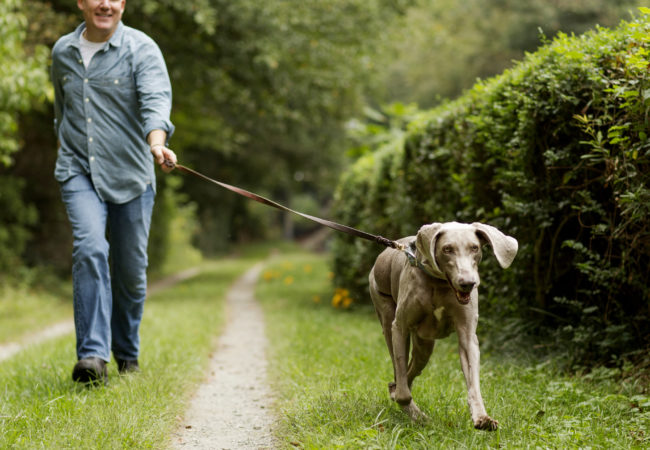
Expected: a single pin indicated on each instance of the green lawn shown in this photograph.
(24, 310)
(41, 407)
(331, 368)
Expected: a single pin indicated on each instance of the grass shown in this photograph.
(331, 368)
(25, 309)
(40, 406)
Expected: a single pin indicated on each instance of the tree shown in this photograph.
(261, 85)
(23, 84)
(442, 47)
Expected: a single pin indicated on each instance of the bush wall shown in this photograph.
(554, 152)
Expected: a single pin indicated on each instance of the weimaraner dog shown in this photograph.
(430, 294)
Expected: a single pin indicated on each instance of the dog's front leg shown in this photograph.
(400, 355)
(470, 362)
(402, 394)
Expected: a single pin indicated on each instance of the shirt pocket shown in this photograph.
(119, 88)
(118, 82)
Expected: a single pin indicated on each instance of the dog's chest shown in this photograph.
(437, 324)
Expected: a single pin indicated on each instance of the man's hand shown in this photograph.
(161, 154)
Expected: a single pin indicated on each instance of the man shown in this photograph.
(112, 105)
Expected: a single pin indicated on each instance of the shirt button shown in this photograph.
(85, 80)
(117, 81)
(92, 158)
(81, 61)
(90, 120)
(90, 139)
(86, 99)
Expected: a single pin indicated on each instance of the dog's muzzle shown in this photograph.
(463, 297)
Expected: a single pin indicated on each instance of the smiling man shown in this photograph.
(112, 106)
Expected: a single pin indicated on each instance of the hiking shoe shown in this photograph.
(125, 366)
(90, 371)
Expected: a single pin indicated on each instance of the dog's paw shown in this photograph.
(486, 423)
(414, 413)
(391, 390)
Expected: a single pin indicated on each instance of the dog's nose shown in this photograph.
(466, 286)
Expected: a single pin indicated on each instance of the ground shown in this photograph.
(232, 408)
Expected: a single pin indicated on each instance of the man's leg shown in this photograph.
(90, 269)
(129, 225)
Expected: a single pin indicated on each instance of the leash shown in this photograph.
(328, 223)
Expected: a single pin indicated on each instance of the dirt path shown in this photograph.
(232, 408)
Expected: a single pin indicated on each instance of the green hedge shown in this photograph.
(554, 152)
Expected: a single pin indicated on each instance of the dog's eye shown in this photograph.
(474, 248)
(447, 249)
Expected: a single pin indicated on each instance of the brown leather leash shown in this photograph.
(265, 201)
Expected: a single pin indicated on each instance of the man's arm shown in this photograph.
(58, 96)
(156, 140)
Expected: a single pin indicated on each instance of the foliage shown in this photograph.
(554, 152)
(23, 82)
(174, 226)
(23, 76)
(440, 48)
(259, 85)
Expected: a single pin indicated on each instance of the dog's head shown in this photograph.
(452, 251)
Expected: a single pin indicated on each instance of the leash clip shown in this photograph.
(409, 251)
(169, 163)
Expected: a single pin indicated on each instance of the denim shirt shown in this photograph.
(104, 113)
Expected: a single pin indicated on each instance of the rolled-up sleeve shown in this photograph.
(154, 89)
(58, 93)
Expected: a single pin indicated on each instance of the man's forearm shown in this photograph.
(156, 138)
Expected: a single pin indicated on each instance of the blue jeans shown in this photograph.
(108, 296)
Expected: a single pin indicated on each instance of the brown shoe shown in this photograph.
(90, 371)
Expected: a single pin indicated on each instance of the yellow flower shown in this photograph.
(341, 298)
(288, 280)
(307, 268)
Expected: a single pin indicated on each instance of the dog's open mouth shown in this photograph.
(463, 297)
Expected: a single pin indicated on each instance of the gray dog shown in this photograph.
(429, 294)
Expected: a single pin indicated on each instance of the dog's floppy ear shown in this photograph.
(426, 246)
(504, 247)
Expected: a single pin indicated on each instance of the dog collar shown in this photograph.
(409, 250)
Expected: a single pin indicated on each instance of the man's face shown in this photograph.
(102, 17)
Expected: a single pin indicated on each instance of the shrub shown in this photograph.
(555, 152)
